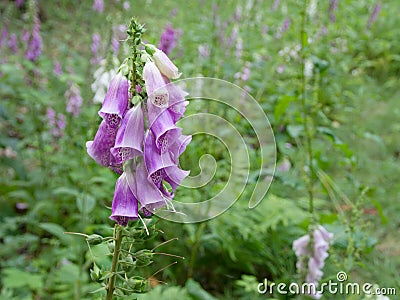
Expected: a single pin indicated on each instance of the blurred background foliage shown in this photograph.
(49, 184)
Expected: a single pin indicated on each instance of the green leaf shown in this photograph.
(15, 278)
(57, 231)
(281, 107)
(196, 291)
(85, 203)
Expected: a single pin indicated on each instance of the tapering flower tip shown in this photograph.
(129, 140)
(99, 148)
(125, 204)
(155, 85)
(165, 65)
(115, 102)
(179, 147)
(148, 194)
(177, 101)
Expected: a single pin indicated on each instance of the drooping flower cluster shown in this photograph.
(313, 255)
(147, 160)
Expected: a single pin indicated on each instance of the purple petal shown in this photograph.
(144, 190)
(179, 147)
(115, 102)
(177, 101)
(130, 136)
(99, 148)
(125, 204)
(163, 127)
(155, 162)
(155, 85)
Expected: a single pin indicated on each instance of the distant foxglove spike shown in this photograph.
(168, 39)
(315, 253)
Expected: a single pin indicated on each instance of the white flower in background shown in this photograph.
(312, 8)
(102, 78)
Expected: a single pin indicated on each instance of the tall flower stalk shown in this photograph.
(138, 139)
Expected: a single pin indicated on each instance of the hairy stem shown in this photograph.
(306, 125)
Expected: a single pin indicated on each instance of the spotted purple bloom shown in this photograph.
(98, 5)
(164, 166)
(130, 136)
(168, 39)
(115, 102)
(155, 85)
(74, 100)
(125, 204)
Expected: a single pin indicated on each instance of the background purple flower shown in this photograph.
(34, 47)
(98, 5)
(119, 34)
(374, 15)
(332, 9)
(13, 43)
(57, 68)
(95, 48)
(168, 39)
(74, 100)
(56, 122)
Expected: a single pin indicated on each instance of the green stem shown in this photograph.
(195, 248)
(303, 39)
(114, 265)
